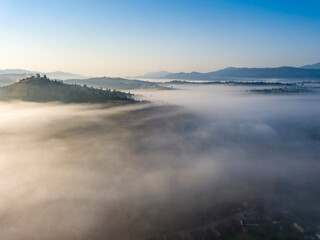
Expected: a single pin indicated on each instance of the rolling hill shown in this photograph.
(42, 89)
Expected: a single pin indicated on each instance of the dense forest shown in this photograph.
(42, 89)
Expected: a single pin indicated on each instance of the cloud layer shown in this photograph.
(89, 172)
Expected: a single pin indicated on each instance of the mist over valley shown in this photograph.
(83, 171)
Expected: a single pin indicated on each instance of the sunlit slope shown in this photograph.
(42, 89)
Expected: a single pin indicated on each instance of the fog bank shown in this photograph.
(90, 172)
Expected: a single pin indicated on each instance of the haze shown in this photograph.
(121, 38)
(90, 172)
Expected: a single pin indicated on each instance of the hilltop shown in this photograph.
(42, 89)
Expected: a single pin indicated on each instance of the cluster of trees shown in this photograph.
(283, 90)
(246, 83)
(42, 89)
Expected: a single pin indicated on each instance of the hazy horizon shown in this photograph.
(125, 38)
(138, 75)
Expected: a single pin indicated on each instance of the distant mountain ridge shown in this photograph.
(16, 71)
(312, 66)
(116, 83)
(280, 72)
(6, 79)
(63, 75)
(53, 75)
(159, 74)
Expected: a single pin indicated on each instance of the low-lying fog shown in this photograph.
(89, 172)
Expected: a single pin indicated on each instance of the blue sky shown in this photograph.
(119, 38)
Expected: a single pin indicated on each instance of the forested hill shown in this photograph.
(42, 89)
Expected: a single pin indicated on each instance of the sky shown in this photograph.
(126, 37)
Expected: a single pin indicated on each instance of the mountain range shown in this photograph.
(159, 74)
(280, 72)
(116, 83)
(307, 71)
(53, 75)
(312, 71)
(312, 66)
